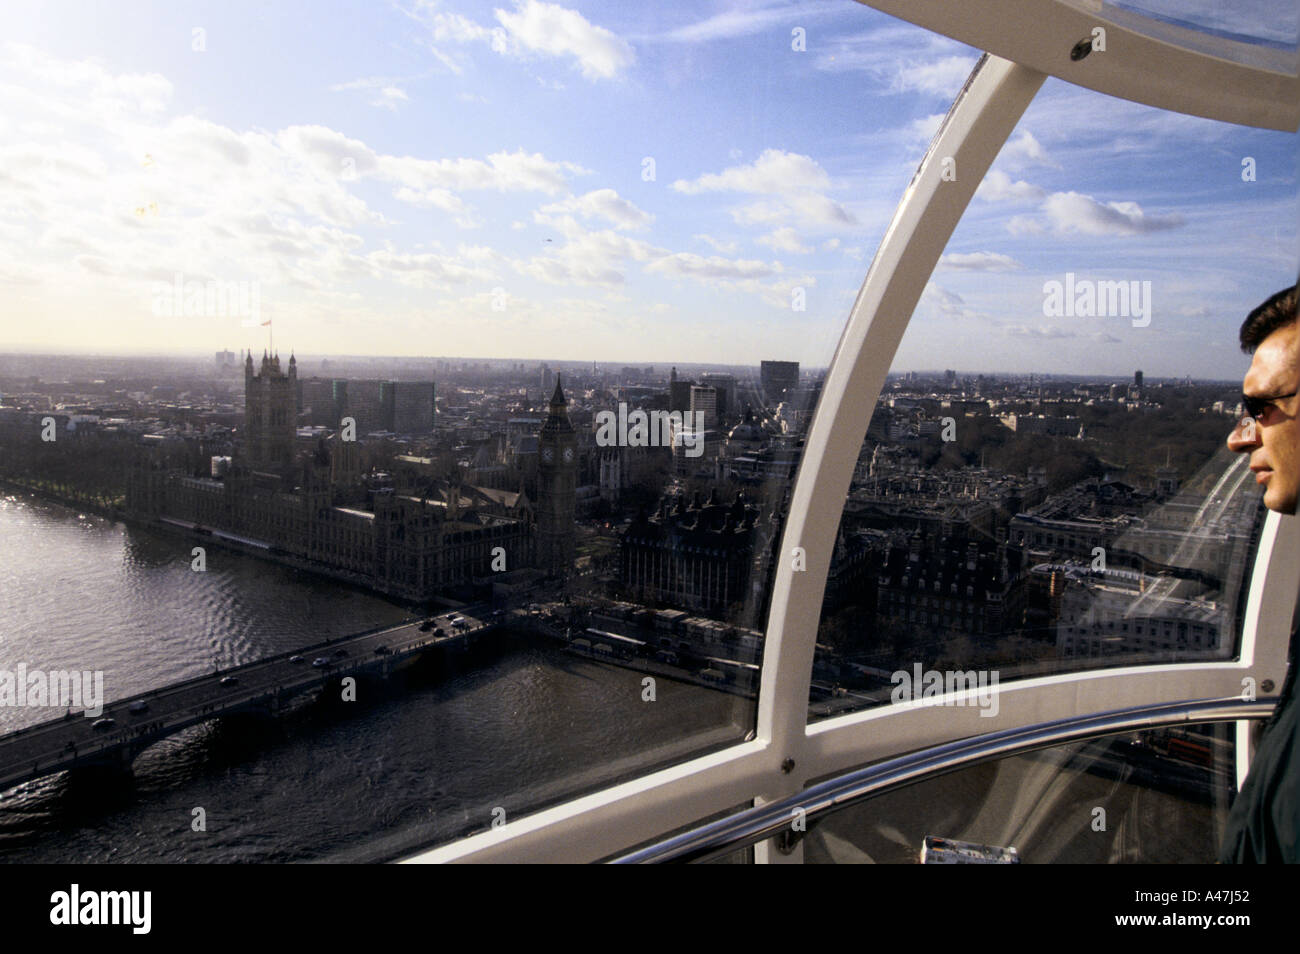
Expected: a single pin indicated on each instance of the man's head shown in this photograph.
(1272, 436)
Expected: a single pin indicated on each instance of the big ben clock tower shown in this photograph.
(557, 479)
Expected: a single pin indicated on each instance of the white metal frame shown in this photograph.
(787, 752)
(1146, 61)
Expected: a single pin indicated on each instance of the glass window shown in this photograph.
(408, 318)
(1051, 436)
(1155, 797)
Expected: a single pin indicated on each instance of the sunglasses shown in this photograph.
(1256, 406)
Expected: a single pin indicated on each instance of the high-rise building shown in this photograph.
(316, 398)
(557, 472)
(1137, 379)
(725, 384)
(270, 411)
(225, 360)
(704, 400)
(679, 393)
(364, 402)
(777, 379)
(412, 405)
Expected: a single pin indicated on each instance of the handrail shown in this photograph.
(754, 825)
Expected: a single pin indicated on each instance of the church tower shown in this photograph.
(270, 412)
(557, 479)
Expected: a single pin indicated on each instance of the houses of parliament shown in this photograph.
(309, 503)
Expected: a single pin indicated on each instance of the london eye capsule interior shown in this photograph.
(828, 462)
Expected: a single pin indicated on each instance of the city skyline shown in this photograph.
(426, 364)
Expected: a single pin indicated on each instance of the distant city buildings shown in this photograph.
(411, 534)
(428, 505)
(270, 411)
(777, 379)
(400, 407)
(724, 385)
(412, 404)
(696, 555)
(704, 405)
(556, 488)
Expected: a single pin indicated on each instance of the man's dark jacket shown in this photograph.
(1264, 823)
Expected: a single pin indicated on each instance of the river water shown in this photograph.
(433, 755)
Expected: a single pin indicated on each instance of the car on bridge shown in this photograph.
(229, 680)
(296, 659)
(102, 725)
(320, 662)
(138, 706)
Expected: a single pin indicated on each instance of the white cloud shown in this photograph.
(389, 98)
(453, 26)
(442, 199)
(808, 210)
(422, 270)
(998, 187)
(743, 276)
(327, 149)
(386, 93)
(1025, 225)
(939, 301)
(603, 203)
(794, 181)
(556, 31)
(726, 248)
(587, 258)
(1024, 150)
(690, 265)
(898, 58)
(503, 171)
(1074, 212)
(942, 77)
(743, 21)
(784, 239)
(534, 28)
(775, 172)
(925, 127)
(1037, 333)
(979, 262)
(143, 92)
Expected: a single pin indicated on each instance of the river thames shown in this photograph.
(438, 753)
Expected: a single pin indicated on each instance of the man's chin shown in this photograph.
(1280, 502)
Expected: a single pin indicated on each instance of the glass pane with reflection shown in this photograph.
(1044, 486)
(496, 348)
(1155, 797)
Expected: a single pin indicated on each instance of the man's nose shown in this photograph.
(1245, 436)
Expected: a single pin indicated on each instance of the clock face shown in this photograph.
(568, 455)
(548, 455)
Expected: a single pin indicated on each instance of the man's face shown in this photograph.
(1273, 438)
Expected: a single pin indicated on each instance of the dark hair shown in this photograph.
(1277, 312)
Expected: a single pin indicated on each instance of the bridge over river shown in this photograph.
(137, 722)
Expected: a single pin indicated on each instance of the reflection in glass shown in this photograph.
(1155, 797)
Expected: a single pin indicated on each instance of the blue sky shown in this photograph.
(471, 179)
